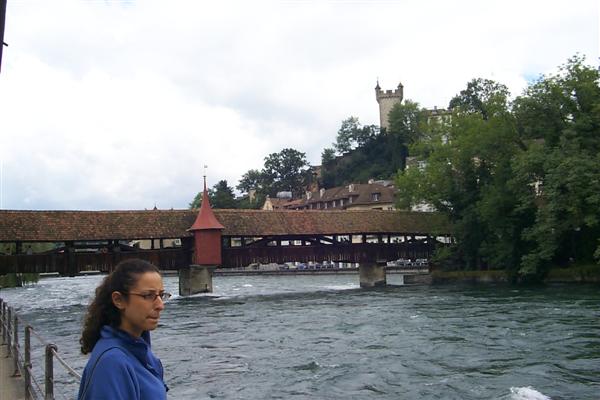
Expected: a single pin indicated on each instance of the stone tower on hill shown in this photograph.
(386, 100)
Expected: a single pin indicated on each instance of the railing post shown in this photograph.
(2, 320)
(4, 324)
(9, 334)
(27, 364)
(49, 379)
(16, 346)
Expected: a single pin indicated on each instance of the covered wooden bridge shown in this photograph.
(98, 240)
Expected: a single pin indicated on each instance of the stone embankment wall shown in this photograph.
(583, 274)
(438, 277)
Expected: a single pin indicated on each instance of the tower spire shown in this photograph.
(206, 218)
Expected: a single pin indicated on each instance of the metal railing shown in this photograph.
(22, 361)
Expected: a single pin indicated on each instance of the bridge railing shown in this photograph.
(22, 357)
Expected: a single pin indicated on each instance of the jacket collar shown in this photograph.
(137, 346)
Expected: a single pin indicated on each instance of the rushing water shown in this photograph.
(322, 337)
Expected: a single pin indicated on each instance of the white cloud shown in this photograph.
(114, 104)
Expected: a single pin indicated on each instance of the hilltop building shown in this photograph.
(387, 99)
(278, 202)
(375, 195)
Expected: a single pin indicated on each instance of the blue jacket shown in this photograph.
(122, 367)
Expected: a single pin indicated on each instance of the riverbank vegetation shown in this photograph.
(520, 179)
(18, 280)
(573, 274)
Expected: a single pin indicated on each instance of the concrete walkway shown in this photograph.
(11, 388)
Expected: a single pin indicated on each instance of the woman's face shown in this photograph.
(139, 310)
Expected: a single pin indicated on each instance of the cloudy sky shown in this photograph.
(108, 104)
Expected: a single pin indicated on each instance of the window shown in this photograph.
(375, 196)
(343, 238)
(396, 239)
(372, 239)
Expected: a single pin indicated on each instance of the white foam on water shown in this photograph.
(342, 287)
(177, 297)
(526, 393)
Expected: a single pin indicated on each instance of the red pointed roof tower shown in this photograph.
(207, 234)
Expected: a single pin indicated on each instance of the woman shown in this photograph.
(127, 306)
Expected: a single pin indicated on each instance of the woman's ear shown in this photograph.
(118, 300)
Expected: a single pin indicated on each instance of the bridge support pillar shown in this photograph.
(195, 279)
(372, 274)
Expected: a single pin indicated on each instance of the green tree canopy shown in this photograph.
(406, 122)
(220, 196)
(352, 134)
(286, 171)
(251, 180)
(560, 116)
(482, 96)
(521, 180)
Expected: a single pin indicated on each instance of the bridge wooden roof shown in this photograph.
(57, 226)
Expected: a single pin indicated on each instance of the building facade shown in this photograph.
(378, 195)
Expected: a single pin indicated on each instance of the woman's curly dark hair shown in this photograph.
(101, 310)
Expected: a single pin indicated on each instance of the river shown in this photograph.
(322, 337)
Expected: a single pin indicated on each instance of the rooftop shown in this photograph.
(57, 226)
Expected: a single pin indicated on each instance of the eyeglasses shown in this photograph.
(153, 296)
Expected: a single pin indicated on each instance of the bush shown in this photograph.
(18, 280)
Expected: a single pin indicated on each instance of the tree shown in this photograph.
(482, 96)
(251, 180)
(285, 171)
(461, 177)
(220, 196)
(327, 157)
(561, 114)
(366, 154)
(352, 134)
(520, 181)
(405, 120)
